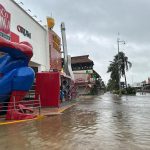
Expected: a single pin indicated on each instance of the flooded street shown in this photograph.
(103, 122)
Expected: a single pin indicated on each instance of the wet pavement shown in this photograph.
(103, 122)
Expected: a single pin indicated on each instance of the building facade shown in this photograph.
(17, 25)
(82, 68)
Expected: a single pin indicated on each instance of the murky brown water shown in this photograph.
(97, 123)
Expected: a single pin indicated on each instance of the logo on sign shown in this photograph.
(4, 23)
(24, 31)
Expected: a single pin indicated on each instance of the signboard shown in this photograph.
(24, 31)
(55, 51)
(81, 77)
(5, 18)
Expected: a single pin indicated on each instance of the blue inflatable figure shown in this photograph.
(15, 75)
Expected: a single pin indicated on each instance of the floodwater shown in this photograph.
(103, 122)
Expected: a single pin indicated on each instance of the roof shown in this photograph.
(81, 59)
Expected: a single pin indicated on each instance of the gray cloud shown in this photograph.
(92, 28)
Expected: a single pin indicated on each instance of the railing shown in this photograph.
(31, 104)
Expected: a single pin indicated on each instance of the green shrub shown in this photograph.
(131, 91)
(128, 91)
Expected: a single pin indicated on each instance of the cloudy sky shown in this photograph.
(92, 28)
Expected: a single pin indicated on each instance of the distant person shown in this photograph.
(61, 94)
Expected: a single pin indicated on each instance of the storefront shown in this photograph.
(17, 25)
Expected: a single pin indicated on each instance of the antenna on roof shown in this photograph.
(28, 10)
(20, 3)
(35, 16)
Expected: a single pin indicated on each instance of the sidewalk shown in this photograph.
(47, 111)
(51, 111)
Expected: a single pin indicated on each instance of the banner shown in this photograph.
(5, 18)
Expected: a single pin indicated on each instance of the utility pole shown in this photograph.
(118, 43)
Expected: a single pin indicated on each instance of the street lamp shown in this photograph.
(118, 43)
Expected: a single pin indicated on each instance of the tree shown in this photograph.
(120, 62)
(124, 65)
(113, 83)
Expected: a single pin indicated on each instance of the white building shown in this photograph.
(24, 28)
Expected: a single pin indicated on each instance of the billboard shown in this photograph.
(5, 19)
(55, 51)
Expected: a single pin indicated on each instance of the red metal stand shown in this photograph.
(15, 110)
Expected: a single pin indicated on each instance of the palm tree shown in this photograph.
(114, 81)
(123, 65)
(120, 62)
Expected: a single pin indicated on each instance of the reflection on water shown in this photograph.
(104, 122)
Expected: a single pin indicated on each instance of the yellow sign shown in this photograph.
(50, 22)
(56, 42)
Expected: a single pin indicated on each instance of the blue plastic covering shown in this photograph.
(15, 75)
